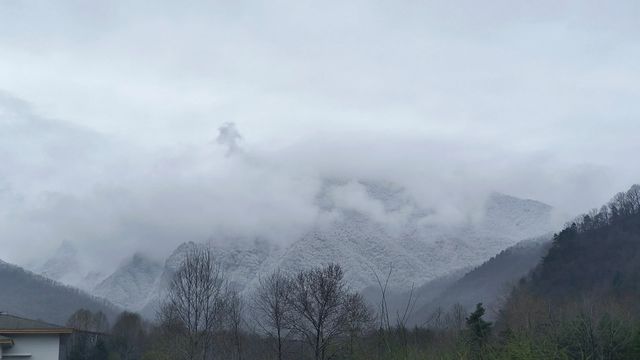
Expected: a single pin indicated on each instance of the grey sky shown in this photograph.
(536, 99)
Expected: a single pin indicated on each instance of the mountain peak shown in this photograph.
(372, 226)
(63, 264)
(132, 283)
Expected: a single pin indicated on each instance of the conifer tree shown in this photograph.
(478, 331)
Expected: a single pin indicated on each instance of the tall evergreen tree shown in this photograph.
(478, 331)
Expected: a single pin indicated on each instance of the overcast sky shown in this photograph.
(110, 111)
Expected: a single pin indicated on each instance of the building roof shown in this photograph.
(10, 324)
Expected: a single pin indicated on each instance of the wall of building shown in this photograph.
(40, 347)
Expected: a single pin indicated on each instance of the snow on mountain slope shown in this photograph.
(515, 218)
(90, 281)
(369, 230)
(131, 285)
(416, 252)
(365, 226)
(65, 266)
(241, 261)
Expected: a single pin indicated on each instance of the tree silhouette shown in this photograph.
(478, 330)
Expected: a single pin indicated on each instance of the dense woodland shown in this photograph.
(580, 302)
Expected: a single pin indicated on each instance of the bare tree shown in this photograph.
(81, 320)
(195, 304)
(436, 319)
(81, 345)
(384, 328)
(456, 317)
(360, 319)
(271, 308)
(235, 309)
(385, 322)
(128, 336)
(85, 320)
(321, 304)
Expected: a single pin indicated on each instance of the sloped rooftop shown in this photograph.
(10, 324)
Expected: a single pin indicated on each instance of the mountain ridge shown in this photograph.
(367, 227)
(31, 295)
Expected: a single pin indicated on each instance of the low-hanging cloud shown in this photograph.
(111, 200)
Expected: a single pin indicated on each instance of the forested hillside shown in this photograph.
(27, 294)
(598, 255)
(489, 283)
(582, 301)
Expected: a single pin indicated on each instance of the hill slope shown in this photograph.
(132, 283)
(365, 242)
(581, 301)
(489, 283)
(365, 226)
(597, 255)
(27, 294)
(65, 266)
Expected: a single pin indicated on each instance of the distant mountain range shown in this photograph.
(478, 261)
(130, 285)
(391, 231)
(64, 266)
(25, 293)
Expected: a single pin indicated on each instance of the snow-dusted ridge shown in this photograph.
(131, 285)
(367, 227)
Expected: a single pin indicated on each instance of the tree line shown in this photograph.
(311, 314)
(314, 315)
(581, 302)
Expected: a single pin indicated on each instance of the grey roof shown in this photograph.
(11, 323)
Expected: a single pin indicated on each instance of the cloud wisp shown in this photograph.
(111, 200)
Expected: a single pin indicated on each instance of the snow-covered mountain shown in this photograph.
(400, 235)
(367, 227)
(377, 228)
(65, 266)
(131, 285)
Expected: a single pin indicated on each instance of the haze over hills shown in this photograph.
(382, 227)
(597, 256)
(489, 283)
(27, 294)
(308, 152)
(66, 266)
